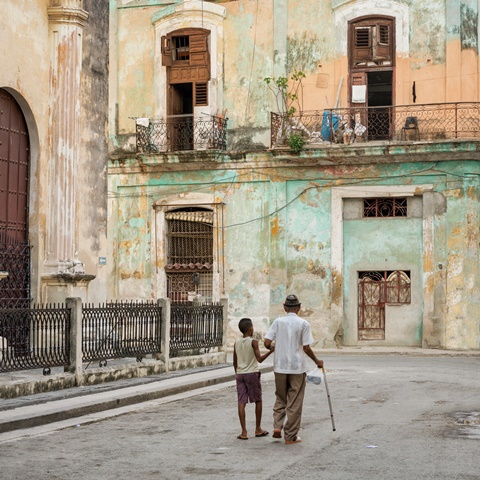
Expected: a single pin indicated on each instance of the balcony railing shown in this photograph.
(405, 123)
(181, 132)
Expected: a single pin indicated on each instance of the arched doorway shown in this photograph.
(14, 184)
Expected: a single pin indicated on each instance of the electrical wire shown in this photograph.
(324, 183)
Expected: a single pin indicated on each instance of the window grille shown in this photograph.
(384, 207)
(190, 255)
(181, 48)
(189, 242)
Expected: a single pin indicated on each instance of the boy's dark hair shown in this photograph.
(244, 324)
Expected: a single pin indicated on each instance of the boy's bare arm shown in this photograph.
(234, 359)
(260, 358)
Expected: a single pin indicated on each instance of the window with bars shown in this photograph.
(189, 255)
(384, 207)
(190, 237)
(181, 48)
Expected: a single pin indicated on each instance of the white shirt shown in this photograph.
(290, 333)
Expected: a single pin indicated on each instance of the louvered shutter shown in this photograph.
(383, 42)
(199, 50)
(167, 59)
(201, 94)
(362, 44)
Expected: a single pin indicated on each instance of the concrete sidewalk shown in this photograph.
(43, 408)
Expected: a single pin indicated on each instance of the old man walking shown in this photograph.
(293, 337)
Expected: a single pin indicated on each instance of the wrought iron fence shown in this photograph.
(15, 260)
(181, 132)
(427, 122)
(195, 327)
(36, 337)
(121, 329)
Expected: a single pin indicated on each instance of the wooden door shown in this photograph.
(14, 171)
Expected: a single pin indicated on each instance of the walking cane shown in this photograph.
(329, 401)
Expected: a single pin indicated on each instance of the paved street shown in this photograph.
(397, 417)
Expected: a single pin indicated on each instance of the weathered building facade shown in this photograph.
(53, 150)
(375, 229)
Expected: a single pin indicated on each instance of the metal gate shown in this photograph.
(375, 290)
(14, 170)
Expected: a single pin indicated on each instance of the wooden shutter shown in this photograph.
(362, 44)
(357, 79)
(383, 42)
(199, 50)
(201, 94)
(167, 59)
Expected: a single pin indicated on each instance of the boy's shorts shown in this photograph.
(249, 387)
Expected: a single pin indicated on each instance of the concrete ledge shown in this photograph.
(41, 414)
(34, 383)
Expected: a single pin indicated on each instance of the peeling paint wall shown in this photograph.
(436, 47)
(278, 240)
(67, 128)
(279, 219)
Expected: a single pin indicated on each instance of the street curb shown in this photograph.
(94, 403)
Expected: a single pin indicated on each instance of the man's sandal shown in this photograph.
(295, 440)
(277, 434)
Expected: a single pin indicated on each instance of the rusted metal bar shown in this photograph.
(181, 133)
(399, 123)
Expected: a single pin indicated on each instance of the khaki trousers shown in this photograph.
(289, 392)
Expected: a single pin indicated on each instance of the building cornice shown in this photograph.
(68, 15)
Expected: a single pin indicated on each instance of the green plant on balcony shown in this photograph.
(288, 93)
(296, 142)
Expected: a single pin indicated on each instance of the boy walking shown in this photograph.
(246, 357)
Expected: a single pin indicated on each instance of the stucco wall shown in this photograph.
(92, 172)
(23, 43)
(436, 47)
(30, 59)
(278, 240)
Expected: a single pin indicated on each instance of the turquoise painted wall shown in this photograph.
(278, 239)
(385, 244)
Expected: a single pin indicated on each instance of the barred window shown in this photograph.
(189, 255)
(190, 237)
(384, 207)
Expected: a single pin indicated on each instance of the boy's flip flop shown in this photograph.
(263, 434)
(242, 438)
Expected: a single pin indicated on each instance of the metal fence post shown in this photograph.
(224, 304)
(164, 355)
(75, 363)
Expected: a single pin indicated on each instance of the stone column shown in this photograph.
(164, 355)
(75, 365)
(66, 22)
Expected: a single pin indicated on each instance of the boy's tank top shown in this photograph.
(246, 361)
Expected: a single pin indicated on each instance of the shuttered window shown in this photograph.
(201, 95)
(371, 43)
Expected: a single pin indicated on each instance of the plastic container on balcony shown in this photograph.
(330, 120)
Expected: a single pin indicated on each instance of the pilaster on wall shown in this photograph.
(66, 22)
(462, 324)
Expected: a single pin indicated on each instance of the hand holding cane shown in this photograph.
(328, 396)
